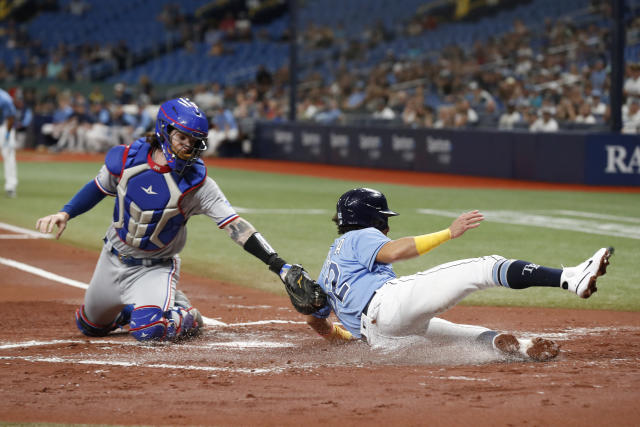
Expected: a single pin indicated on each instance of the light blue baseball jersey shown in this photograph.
(7, 109)
(350, 275)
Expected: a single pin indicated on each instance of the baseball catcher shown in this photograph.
(158, 183)
(374, 304)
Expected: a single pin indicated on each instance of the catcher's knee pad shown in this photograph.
(149, 322)
(88, 328)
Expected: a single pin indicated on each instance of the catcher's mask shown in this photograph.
(364, 207)
(183, 115)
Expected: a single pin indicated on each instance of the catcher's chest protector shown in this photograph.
(147, 213)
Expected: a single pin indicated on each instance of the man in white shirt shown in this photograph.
(545, 123)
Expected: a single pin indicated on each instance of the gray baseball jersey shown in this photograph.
(115, 284)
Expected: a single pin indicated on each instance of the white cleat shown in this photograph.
(582, 278)
(538, 349)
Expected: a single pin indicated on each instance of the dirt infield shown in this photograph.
(269, 373)
(257, 364)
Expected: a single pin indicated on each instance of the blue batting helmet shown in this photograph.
(364, 207)
(185, 116)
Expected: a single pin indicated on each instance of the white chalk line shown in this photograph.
(18, 237)
(590, 225)
(70, 282)
(236, 345)
(282, 211)
(42, 273)
(24, 231)
(39, 359)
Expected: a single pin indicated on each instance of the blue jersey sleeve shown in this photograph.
(85, 199)
(113, 159)
(367, 244)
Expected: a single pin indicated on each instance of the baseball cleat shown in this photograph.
(581, 279)
(538, 349)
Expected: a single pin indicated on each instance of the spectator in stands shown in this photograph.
(228, 26)
(243, 27)
(205, 98)
(382, 111)
(73, 129)
(479, 97)
(464, 116)
(632, 81)
(411, 114)
(54, 66)
(565, 112)
(598, 108)
(96, 95)
(78, 7)
(122, 94)
(309, 107)
(631, 117)
(355, 98)
(98, 137)
(329, 112)
(446, 117)
(598, 74)
(264, 80)
(144, 121)
(145, 89)
(510, 118)
(489, 116)
(223, 130)
(62, 112)
(23, 120)
(584, 115)
(122, 55)
(546, 122)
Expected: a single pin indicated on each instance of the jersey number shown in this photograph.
(334, 277)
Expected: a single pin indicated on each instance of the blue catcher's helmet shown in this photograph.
(364, 207)
(185, 116)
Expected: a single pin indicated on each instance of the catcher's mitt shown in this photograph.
(306, 295)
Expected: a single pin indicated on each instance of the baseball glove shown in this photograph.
(305, 294)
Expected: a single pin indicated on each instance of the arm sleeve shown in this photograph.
(85, 199)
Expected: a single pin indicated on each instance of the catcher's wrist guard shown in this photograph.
(276, 264)
(257, 246)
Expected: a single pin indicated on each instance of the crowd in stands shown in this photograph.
(553, 78)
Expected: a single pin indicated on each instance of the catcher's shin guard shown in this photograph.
(90, 329)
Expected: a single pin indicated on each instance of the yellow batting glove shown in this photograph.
(338, 334)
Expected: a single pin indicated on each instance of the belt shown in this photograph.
(129, 260)
(366, 307)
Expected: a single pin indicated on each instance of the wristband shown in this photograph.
(426, 242)
(284, 270)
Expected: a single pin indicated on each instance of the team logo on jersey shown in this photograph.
(148, 190)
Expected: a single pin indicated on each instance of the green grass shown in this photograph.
(304, 238)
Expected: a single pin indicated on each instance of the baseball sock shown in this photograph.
(517, 274)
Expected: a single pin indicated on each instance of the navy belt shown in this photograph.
(129, 260)
(366, 307)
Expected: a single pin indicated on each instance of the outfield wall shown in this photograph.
(595, 159)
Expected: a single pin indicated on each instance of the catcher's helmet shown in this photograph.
(364, 207)
(183, 115)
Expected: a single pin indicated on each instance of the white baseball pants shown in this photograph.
(9, 158)
(407, 306)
